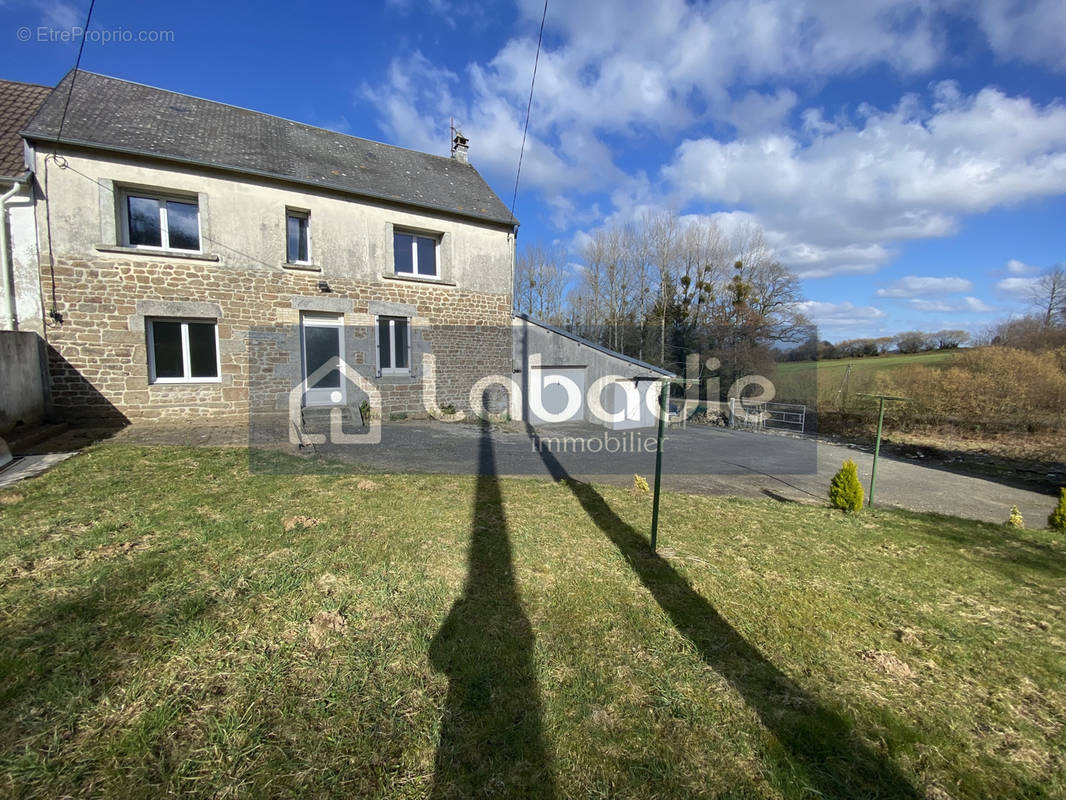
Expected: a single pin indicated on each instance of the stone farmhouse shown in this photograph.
(185, 259)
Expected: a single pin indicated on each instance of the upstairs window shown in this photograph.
(298, 237)
(394, 346)
(415, 254)
(182, 351)
(168, 223)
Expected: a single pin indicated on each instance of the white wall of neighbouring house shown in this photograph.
(25, 270)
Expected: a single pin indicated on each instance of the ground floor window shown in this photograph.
(394, 346)
(182, 351)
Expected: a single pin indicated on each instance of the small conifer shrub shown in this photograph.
(1057, 519)
(845, 491)
(1015, 520)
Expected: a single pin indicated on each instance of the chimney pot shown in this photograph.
(460, 146)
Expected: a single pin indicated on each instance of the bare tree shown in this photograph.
(663, 233)
(540, 278)
(1048, 296)
(607, 286)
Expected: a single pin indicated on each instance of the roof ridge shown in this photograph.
(264, 114)
(27, 83)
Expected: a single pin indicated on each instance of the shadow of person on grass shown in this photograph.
(819, 751)
(491, 744)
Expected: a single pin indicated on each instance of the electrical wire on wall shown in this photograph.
(61, 162)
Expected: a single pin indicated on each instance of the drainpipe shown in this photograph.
(5, 260)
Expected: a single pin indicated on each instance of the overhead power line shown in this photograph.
(529, 107)
(77, 65)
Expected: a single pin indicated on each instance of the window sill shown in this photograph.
(392, 276)
(297, 267)
(174, 382)
(153, 253)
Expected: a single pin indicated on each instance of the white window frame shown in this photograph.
(392, 346)
(162, 198)
(186, 360)
(416, 235)
(304, 215)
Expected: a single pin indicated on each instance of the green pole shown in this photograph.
(663, 395)
(877, 451)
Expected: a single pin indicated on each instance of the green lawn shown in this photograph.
(173, 625)
(794, 378)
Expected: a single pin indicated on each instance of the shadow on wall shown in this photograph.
(76, 400)
(491, 744)
(818, 748)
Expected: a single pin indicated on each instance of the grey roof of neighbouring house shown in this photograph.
(582, 340)
(124, 117)
(18, 102)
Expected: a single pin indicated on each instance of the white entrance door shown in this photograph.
(322, 338)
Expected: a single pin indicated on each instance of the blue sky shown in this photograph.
(907, 159)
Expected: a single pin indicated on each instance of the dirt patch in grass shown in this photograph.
(323, 626)
(16, 567)
(300, 521)
(10, 498)
(889, 663)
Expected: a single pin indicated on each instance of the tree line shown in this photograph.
(906, 342)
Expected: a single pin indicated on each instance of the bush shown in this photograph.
(997, 388)
(1057, 519)
(1015, 520)
(845, 491)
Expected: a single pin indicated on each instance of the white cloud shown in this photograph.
(915, 286)
(931, 305)
(756, 112)
(1019, 287)
(966, 305)
(839, 315)
(1016, 267)
(978, 305)
(62, 15)
(841, 193)
(835, 194)
(1031, 31)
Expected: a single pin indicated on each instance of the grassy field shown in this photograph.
(794, 377)
(172, 625)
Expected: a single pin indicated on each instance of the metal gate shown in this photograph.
(767, 416)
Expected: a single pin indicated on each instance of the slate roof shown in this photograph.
(125, 117)
(582, 340)
(18, 102)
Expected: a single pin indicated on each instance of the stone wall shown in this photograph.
(98, 354)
